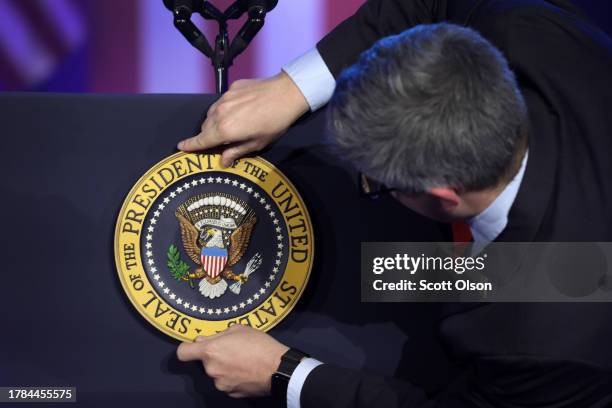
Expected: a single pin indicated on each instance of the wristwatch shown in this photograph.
(280, 379)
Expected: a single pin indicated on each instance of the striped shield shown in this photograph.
(213, 260)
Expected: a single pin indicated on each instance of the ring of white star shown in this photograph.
(199, 308)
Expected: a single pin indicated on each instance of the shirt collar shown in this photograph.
(487, 225)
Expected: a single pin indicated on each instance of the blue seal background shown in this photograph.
(263, 240)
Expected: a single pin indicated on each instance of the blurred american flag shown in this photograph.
(132, 46)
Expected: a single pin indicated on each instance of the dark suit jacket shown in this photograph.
(515, 355)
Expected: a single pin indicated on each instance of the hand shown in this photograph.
(250, 115)
(241, 360)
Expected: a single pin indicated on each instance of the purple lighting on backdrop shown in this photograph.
(132, 46)
(168, 62)
(30, 60)
(35, 36)
(299, 27)
(68, 20)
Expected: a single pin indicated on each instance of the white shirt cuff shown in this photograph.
(297, 380)
(312, 77)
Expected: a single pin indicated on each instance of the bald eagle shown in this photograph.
(208, 249)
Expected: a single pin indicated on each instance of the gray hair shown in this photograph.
(436, 105)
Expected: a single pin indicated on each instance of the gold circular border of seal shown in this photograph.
(141, 291)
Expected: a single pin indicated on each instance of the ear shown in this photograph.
(448, 197)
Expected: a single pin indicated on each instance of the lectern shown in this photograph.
(67, 163)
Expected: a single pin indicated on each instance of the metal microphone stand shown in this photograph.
(222, 56)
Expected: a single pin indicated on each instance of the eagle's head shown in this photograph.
(208, 233)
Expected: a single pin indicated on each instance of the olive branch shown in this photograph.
(179, 269)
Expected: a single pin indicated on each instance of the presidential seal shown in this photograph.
(199, 247)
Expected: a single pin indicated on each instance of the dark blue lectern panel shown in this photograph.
(67, 163)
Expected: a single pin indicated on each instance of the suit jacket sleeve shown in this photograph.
(374, 20)
(492, 382)
(332, 386)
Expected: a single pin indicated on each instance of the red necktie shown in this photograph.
(461, 232)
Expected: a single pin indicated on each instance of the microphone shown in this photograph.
(182, 11)
(257, 10)
(239, 7)
(187, 5)
(224, 52)
(266, 5)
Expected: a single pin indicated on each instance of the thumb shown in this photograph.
(189, 351)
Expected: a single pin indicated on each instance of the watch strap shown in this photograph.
(280, 379)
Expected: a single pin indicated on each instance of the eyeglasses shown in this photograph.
(372, 189)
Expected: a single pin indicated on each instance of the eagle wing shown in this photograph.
(239, 240)
(189, 236)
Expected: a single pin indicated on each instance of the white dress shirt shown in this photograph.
(317, 84)
(312, 77)
(487, 225)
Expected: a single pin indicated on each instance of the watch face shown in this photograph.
(200, 247)
(281, 376)
(279, 384)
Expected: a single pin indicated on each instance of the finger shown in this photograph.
(207, 339)
(201, 141)
(235, 327)
(235, 152)
(237, 394)
(188, 352)
(223, 386)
